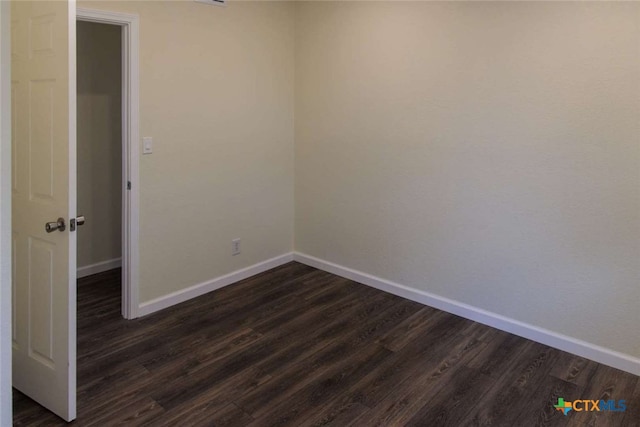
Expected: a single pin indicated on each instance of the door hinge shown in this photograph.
(128, 185)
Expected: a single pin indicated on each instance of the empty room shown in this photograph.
(309, 213)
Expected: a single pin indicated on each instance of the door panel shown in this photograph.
(14, 293)
(41, 257)
(43, 106)
(14, 142)
(42, 97)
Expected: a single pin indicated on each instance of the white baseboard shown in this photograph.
(211, 285)
(99, 267)
(562, 342)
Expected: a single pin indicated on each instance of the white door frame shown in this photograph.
(130, 149)
(5, 215)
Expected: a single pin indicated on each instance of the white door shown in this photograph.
(44, 189)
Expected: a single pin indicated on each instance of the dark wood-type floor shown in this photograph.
(297, 346)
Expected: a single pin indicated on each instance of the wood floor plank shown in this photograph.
(136, 412)
(499, 353)
(318, 300)
(228, 308)
(430, 348)
(407, 330)
(224, 349)
(410, 396)
(574, 369)
(198, 381)
(338, 414)
(300, 346)
(307, 402)
(190, 414)
(520, 379)
(451, 404)
(125, 376)
(230, 416)
(608, 384)
(632, 414)
(482, 332)
(222, 392)
(351, 341)
(540, 411)
(388, 378)
(26, 412)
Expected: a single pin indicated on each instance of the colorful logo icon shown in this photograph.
(563, 406)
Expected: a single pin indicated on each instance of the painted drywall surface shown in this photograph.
(216, 94)
(99, 65)
(5, 216)
(484, 152)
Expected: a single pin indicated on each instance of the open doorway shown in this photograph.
(99, 151)
(99, 33)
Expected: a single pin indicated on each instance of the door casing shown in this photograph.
(5, 214)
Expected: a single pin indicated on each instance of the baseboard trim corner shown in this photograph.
(211, 285)
(99, 267)
(553, 339)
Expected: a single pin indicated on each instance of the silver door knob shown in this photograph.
(79, 220)
(50, 227)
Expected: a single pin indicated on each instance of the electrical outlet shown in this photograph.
(235, 247)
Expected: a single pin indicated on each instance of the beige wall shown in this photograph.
(216, 94)
(483, 152)
(99, 68)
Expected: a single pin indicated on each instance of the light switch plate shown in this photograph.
(147, 145)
